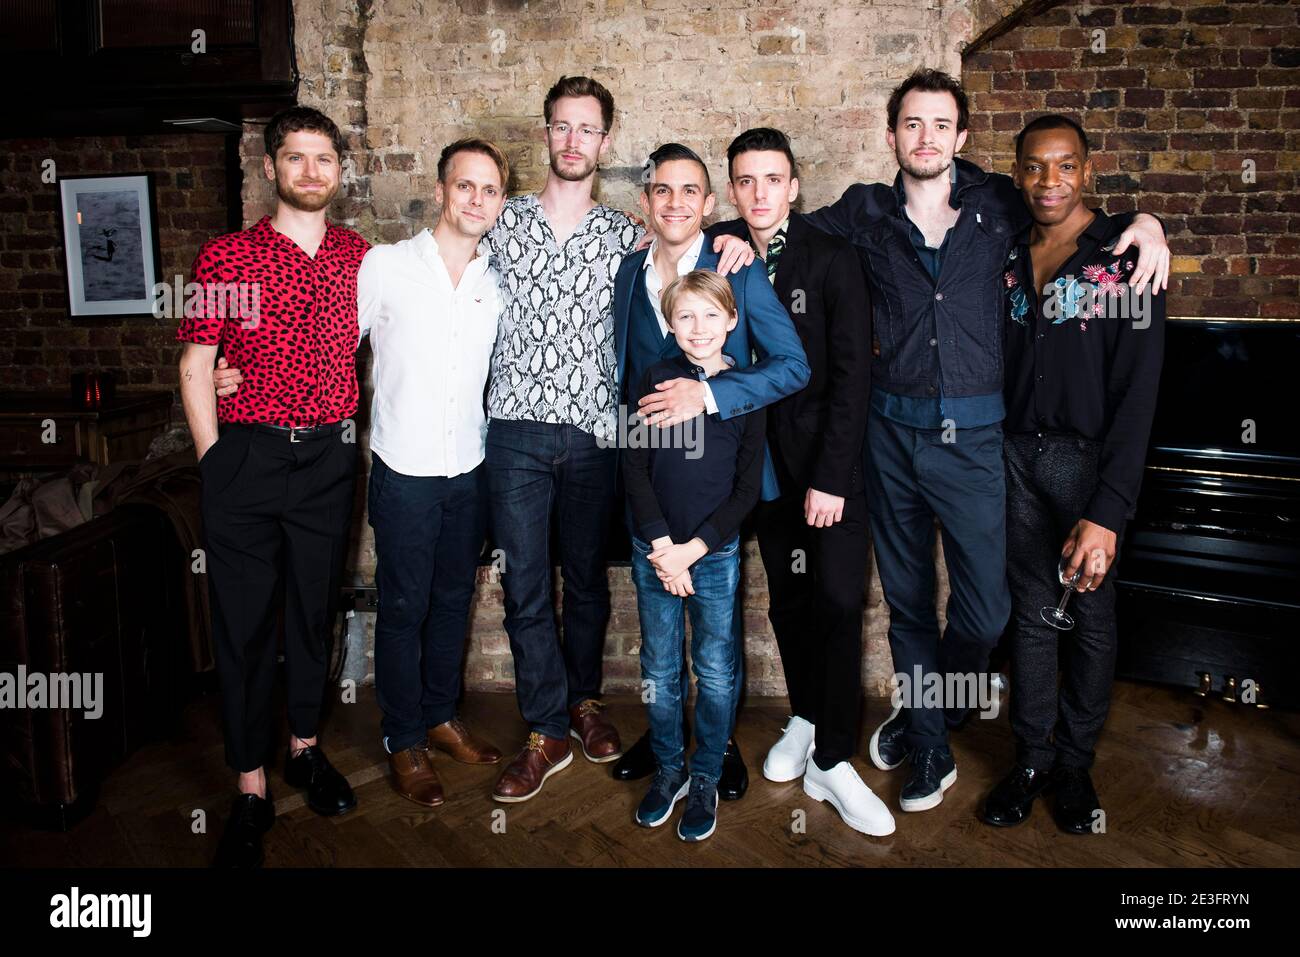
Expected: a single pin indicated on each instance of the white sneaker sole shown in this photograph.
(568, 759)
(681, 793)
(934, 798)
(874, 748)
(800, 768)
(819, 793)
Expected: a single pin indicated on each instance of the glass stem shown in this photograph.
(1060, 605)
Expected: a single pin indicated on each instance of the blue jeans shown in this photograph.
(429, 531)
(716, 578)
(539, 473)
(913, 476)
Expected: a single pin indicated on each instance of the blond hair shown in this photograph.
(699, 282)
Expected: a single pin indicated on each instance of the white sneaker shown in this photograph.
(789, 756)
(856, 803)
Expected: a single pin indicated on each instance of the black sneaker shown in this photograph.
(328, 792)
(700, 818)
(933, 772)
(241, 841)
(1010, 802)
(1076, 804)
(667, 788)
(887, 749)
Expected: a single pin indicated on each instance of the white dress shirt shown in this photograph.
(433, 348)
(654, 287)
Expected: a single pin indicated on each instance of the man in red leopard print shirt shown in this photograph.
(278, 462)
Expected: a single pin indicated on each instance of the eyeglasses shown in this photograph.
(587, 134)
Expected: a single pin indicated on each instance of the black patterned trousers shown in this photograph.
(1050, 480)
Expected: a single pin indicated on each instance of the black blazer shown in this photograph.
(816, 435)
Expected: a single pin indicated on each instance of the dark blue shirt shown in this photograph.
(930, 412)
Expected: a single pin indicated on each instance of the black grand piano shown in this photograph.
(1209, 572)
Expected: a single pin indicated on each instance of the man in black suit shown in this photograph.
(813, 538)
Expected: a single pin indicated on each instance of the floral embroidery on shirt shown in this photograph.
(1016, 296)
(1107, 277)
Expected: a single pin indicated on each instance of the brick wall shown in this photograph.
(405, 78)
(40, 346)
(1185, 92)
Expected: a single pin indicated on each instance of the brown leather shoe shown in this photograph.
(455, 739)
(414, 777)
(600, 743)
(523, 777)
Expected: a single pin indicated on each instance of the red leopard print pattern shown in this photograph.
(297, 347)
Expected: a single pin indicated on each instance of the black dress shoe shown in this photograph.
(241, 841)
(735, 776)
(328, 792)
(1076, 803)
(637, 761)
(1010, 802)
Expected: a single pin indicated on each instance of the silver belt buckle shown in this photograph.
(293, 434)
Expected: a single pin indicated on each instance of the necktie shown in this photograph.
(774, 248)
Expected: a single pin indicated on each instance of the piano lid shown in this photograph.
(1229, 398)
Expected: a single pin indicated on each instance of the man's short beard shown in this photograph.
(571, 175)
(917, 172)
(306, 202)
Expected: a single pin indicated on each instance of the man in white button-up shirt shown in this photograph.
(430, 305)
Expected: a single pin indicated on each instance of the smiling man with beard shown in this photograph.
(277, 468)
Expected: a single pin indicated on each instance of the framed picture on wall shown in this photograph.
(110, 244)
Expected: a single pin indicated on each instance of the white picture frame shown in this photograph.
(110, 244)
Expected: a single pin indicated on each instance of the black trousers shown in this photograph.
(1049, 483)
(816, 581)
(276, 517)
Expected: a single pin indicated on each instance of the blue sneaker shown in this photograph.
(700, 818)
(666, 789)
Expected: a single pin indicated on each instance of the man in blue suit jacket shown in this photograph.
(765, 347)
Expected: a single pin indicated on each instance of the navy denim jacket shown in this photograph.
(930, 334)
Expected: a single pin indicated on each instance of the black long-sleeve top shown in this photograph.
(1082, 360)
(705, 491)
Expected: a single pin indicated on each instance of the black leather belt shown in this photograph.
(294, 433)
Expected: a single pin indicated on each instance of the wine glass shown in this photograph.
(1056, 617)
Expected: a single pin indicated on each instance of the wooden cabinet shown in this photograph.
(42, 431)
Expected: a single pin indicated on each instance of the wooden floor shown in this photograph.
(1183, 782)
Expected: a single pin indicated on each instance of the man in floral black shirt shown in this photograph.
(1083, 357)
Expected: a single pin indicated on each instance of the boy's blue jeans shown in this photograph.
(715, 578)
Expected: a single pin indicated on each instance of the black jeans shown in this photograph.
(816, 581)
(276, 516)
(428, 534)
(1049, 483)
(539, 473)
